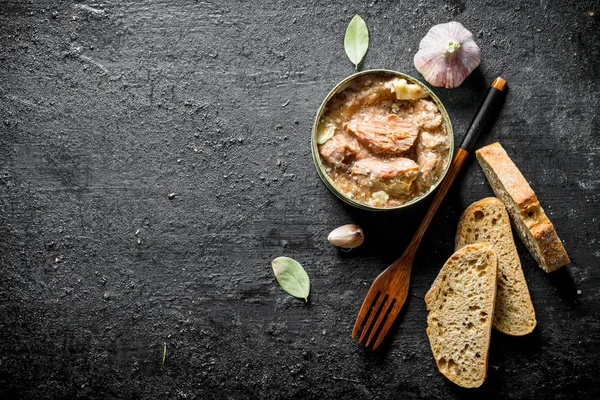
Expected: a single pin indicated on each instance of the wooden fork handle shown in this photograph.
(489, 104)
(457, 163)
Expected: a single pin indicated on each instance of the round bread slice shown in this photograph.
(461, 307)
(486, 220)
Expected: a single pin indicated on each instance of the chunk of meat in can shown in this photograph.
(430, 150)
(338, 150)
(392, 176)
(427, 114)
(384, 134)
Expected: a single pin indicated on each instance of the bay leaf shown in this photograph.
(356, 41)
(291, 277)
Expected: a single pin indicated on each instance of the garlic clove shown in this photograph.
(381, 197)
(347, 236)
(405, 90)
(325, 132)
(447, 55)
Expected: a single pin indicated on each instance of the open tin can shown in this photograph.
(319, 162)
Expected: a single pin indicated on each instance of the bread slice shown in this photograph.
(486, 220)
(461, 307)
(532, 224)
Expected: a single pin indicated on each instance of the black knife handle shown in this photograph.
(487, 108)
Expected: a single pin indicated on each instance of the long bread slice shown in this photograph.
(532, 224)
(461, 307)
(486, 220)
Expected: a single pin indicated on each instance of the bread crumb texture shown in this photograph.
(461, 307)
(487, 221)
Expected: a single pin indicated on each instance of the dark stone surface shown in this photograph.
(154, 158)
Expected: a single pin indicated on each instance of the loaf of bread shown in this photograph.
(486, 220)
(531, 223)
(461, 308)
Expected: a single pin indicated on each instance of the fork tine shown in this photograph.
(382, 314)
(390, 320)
(364, 309)
(374, 310)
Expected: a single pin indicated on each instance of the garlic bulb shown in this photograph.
(447, 55)
(346, 236)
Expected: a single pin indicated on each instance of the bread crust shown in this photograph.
(487, 220)
(532, 224)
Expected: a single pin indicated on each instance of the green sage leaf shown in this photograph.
(291, 277)
(356, 41)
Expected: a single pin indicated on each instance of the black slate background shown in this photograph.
(108, 107)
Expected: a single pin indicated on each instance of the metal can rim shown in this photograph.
(317, 158)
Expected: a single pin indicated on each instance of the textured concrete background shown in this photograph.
(108, 107)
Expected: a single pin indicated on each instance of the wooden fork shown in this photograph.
(389, 290)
